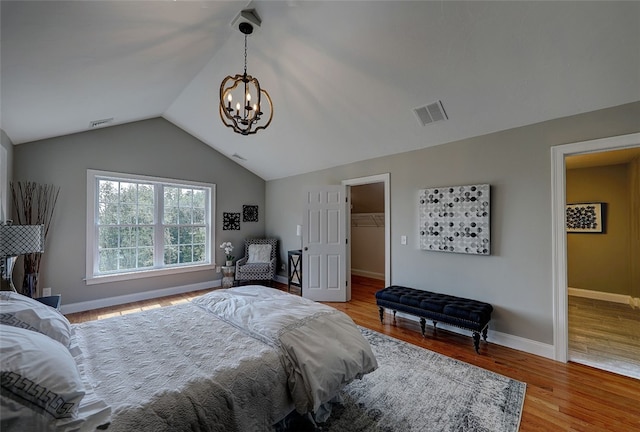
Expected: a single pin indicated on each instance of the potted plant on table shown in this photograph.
(228, 247)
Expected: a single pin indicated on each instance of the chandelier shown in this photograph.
(242, 101)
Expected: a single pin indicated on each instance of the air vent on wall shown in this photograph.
(430, 113)
(100, 123)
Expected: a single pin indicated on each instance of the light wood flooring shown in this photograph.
(605, 335)
(560, 397)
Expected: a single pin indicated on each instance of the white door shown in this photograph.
(324, 245)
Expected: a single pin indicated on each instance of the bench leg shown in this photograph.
(476, 341)
(422, 324)
(381, 310)
(484, 333)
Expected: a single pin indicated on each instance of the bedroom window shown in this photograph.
(139, 226)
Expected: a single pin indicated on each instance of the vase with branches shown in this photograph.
(34, 204)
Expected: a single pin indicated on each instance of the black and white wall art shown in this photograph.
(249, 213)
(585, 218)
(455, 219)
(230, 221)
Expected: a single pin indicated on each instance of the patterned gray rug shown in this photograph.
(415, 389)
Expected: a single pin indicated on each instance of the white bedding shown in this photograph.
(323, 348)
(184, 367)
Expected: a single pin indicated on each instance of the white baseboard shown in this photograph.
(369, 274)
(604, 296)
(129, 298)
(496, 337)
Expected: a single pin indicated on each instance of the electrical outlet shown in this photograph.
(218, 269)
(403, 240)
(46, 292)
(283, 267)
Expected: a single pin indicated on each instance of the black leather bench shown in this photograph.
(457, 311)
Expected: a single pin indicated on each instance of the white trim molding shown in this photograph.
(558, 230)
(379, 178)
(130, 298)
(604, 296)
(504, 339)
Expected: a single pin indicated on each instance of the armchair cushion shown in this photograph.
(259, 253)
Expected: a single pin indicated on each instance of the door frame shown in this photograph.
(379, 178)
(558, 231)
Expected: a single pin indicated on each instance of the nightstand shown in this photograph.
(53, 301)
(228, 273)
(295, 269)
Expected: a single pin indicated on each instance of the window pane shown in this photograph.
(170, 255)
(128, 192)
(171, 236)
(185, 236)
(108, 237)
(128, 214)
(199, 235)
(128, 237)
(199, 198)
(108, 214)
(170, 215)
(145, 214)
(127, 259)
(199, 253)
(185, 254)
(145, 194)
(107, 191)
(108, 260)
(145, 257)
(198, 216)
(184, 216)
(145, 236)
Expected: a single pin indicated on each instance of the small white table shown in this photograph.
(228, 273)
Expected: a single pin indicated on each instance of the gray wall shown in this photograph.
(152, 147)
(5, 195)
(516, 278)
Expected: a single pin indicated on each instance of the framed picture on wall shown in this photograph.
(585, 218)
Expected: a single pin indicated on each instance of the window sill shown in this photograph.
(94, 280)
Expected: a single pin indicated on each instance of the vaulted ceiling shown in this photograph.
(344, 76)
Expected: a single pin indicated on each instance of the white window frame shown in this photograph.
(93, 276)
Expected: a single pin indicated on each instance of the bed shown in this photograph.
(240, 359)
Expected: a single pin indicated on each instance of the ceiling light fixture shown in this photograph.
(251, 101)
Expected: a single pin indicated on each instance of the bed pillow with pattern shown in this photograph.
(40, 383)
(24, 312)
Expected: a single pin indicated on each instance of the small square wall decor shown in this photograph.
(230, 221)
(249, 213)
(455, 219)
(585, 218)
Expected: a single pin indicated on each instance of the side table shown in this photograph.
(228, 273)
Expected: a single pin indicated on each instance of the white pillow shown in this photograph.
(40, 380)
(24, 312)
(259, 253)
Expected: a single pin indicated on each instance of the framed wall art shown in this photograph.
(230, 221)
(585, 218)
(455, 219)
(249, 213)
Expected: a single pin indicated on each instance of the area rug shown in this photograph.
(415, 389)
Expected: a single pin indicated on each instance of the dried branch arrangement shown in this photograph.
(34, 204)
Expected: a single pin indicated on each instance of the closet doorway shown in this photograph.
(368, 248)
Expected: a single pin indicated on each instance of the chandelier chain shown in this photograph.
(245, 55)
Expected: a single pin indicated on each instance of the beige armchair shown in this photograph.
(259, 261)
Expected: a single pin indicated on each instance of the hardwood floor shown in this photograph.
(560, 397)
(605, 335)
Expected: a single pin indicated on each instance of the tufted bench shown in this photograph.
(457, 311)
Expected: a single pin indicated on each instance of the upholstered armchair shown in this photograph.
(259, 261)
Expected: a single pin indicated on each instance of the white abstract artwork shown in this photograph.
(455, 219)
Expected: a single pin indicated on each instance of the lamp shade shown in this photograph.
(21, 239)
